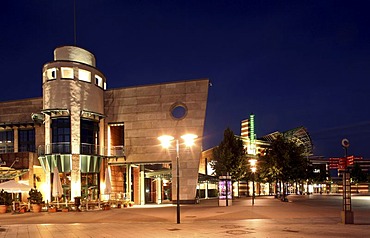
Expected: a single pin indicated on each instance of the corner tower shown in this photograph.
(73, 105)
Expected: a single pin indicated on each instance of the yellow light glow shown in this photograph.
(165, 140)
(189, 139)
(254, 169)
(43, 188)
(76, 187)
(253, 162)
(109, 140)
(102, 186)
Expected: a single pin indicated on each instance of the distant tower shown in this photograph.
(73, 104)
(248, 135)
(245, 129)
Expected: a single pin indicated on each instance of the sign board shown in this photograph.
(345, 143)
(350, 160)
(225, 190)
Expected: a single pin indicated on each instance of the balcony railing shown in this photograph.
(85, 149)
(6, 148)
(89, 149)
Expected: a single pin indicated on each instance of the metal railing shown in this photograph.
(6, 149)
(89, 149)
(85, 149)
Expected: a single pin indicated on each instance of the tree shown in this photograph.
(284, 161)
(229, 157)
(357, 175)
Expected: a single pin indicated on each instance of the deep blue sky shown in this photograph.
(291, 63)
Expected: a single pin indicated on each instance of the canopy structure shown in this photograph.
(299, 135)
(202, 178)
(13, 186)
(7, 173)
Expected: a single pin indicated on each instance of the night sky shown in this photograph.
(291, 63)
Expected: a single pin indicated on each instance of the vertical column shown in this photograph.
(128, 181)
(47, 135)
(347, 214)
(159, 190)
(75, 143)
(15, 143)
(75, 177)
(47, 190)
(103, 148)
(175, 173)
(31, 173)
(142, 185)
(75, 130)
(206, 191)
(347, 206)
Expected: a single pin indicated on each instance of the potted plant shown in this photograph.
(35, 198)
(65, 208)
(5, 201)
(23, 209)
(52, 208)
(128, 203)
(106, 207)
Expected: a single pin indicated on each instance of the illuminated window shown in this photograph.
(51, 74)
(67, 73)
(99, 81)
(84, 75)
(105, 86)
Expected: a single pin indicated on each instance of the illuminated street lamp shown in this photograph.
(253, 163)
(166, 143)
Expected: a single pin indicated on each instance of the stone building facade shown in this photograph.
(86, 131)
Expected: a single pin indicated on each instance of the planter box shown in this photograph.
(36, 207)
(3, 208)
(52, 209)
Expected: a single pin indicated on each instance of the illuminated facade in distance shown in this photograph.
(256, 147)
(87, 130)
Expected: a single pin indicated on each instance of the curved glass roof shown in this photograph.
(299, 135)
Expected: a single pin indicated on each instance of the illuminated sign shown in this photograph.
(251, 128)
(222, 189)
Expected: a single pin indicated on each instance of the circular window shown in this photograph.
(178, 111)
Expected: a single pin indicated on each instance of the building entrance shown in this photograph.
(144, 183)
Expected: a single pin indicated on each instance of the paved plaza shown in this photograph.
(302, 216)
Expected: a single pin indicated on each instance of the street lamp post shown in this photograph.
(178, 182)
(253, 163)
(166, 143)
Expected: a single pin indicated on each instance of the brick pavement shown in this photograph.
(268, 218)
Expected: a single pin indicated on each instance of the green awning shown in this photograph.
(90, 163)
(63, 162)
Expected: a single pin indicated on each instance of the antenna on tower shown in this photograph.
(74, 22)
